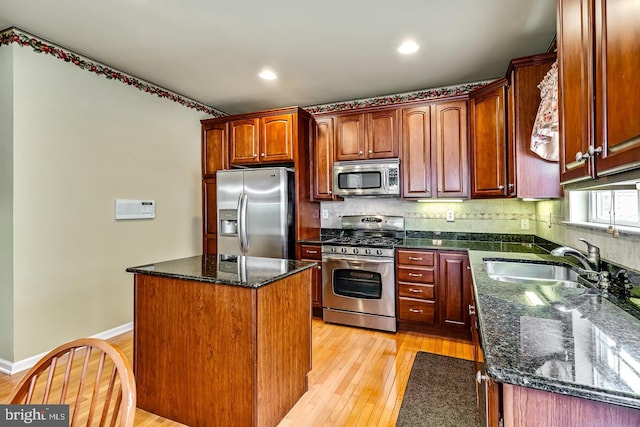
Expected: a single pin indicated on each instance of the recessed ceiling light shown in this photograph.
(268, 74)
(408, 47)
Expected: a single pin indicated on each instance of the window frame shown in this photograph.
(593, 207)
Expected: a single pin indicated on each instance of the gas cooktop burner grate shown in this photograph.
(376, 242)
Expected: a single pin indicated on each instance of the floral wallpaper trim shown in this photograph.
(24, 39)
(418, 95)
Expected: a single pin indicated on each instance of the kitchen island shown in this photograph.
(222, 340)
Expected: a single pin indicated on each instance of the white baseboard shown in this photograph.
(10, 368)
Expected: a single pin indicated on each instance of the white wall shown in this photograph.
(80, 141)
(623, 250)
(6, 203)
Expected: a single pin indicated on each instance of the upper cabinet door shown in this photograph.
(575, 89)
(416, 152)
(323, 159)
(617, 41)
(452, 163)
(350, 144)
(244, 141)
(214, 148)
(489, 141)
(382, 134)
(276, 138)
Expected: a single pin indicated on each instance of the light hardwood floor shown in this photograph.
(358, 376)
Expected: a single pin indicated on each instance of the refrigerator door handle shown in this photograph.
(239, 220)
(243, 232)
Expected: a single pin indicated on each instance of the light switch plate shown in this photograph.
(450, 216)
(325, 213)
(524, 224)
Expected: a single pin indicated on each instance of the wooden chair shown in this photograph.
(90, 375)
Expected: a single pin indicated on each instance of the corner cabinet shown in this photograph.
(599, 53)
(434, 151)
(371, 135)
(433, 292)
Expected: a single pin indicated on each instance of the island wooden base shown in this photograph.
(217, 355)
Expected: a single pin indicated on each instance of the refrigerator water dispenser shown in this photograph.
(228, 222)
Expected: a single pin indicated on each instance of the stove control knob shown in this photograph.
(343, 250)
(379, 251)
(367, 251)
(355, 251)
(333, 249)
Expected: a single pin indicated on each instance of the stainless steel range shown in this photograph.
(358, 272)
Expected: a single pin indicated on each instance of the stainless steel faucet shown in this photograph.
(591, 263)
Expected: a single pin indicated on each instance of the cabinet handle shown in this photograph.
(415, 310)
(370, 151)
(359, 152)
(255, 155)
(262, 155)
(415, 258)
(472, 310)
(312, 251)
(510, 186)
(415, 274)
(591, 152)
(500, 187)
(415, 291)
(330, 192)
(468, 267)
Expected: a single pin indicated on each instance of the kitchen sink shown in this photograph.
(531, 273)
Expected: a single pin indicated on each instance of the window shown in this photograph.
(619, 207)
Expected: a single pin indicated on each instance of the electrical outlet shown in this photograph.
(524, 224)
(450, 216)
(325, 213)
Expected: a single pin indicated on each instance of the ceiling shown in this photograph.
(323, 51)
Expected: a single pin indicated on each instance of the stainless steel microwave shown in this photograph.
(367, 178)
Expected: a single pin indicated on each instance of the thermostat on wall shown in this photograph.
(135, 209)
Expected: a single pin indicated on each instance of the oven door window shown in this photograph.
(357, 284)
(360, 180)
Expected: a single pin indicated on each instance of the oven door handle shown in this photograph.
(360, 261)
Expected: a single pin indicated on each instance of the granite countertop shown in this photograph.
(577, 343)
(237, 270)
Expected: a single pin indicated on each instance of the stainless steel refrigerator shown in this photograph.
(255, 212)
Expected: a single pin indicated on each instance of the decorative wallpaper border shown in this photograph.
(24, 39)
(417, 95)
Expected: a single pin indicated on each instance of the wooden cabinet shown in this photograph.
(502, 115)
(279, 137)
(433, 292)
(312, 252)
(322, 161)
(416, 287)
(598, 51)
(372, 135)
(535, 177)
(451, 152)
(434, 151)
(215, 154)
(261, 139)
(209, 216)
(454, 282)
(489, 141)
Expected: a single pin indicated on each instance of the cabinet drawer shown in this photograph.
(414, 310)
(420, 275)
(414, 290)
(416, 258)
(312, 252)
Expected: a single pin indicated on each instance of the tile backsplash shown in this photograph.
(478, 216)
(543, 218)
